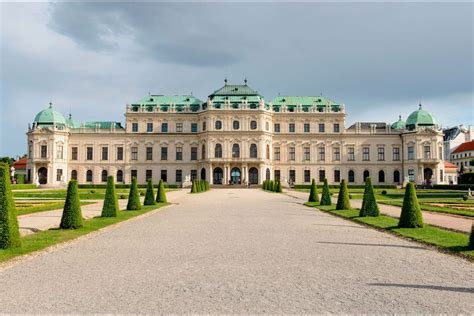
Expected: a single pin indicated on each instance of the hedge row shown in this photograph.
(125, 186)
(274, 186)
(353, 186)
(199, 186)
(463, 187)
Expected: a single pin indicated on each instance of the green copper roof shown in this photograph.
(49, 116)
(400, 124)
(306, 102)
(234, 89)
(71, 123)
(420, 118)
(102, 125)
(155, 99)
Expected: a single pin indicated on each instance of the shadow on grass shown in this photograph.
(375, 245)
(429, 287)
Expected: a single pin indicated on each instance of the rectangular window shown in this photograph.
(321, 127)
(411, 152)
(365, 153)
(337, 175)
(291, 153)
(350, 154)
(74, 153)
(148, 174)
(203, 126)
(194, 153)
(105, 153)
(380, 154)
(336, 128)
(120, 153)
(44, 151)
(134, 153)
(322, 175)
(134, 174)
(292, 176)
(306, 127)
(277, 153)
(30, 152)
(164, 175)
(179, 153)
(411, 175)
(164, 153)
(396, 153)
(134, 127)
(322, 153)
(179, 176)
(337, 154)
(149, 127)
(427, 152)
(277, 174)
(59, 174)
(194, 175)
(276, 127)
(307, 176)
(194, 129)
(179, 127)
(89, 153)
(291, 127)
(164, 127)
(59, 152)
(149, 153)
(307, 153)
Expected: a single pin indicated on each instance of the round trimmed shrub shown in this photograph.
(72, 215)
(123, 196)
(384, 192)
(92, 191)
(465, 197)
(9, 229)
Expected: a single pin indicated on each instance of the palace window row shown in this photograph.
(306, 128)
(351, 175)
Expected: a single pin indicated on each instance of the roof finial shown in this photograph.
(225, 80)
(399, 117)
(420, 106)
(245, 80)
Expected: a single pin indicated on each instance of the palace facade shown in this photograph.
(237, 137)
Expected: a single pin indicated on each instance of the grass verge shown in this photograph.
(444, 240)
(433, 208)
(23, 210)
(47, 238)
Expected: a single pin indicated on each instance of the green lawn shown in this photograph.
(24, 207)
(433, 208)
(47, 238)
(445, 240)
(84, 194)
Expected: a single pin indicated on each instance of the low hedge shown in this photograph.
(463, 187)
(125, 186)
(23, 186)
(353, 186)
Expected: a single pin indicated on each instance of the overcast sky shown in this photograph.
(90, 59)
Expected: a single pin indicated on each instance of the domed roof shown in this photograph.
(420, 118)
(49, 116)
(71, 123)
(400, 124)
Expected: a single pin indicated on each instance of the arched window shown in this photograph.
(218, 151)
(351, 176)
(218, 125)
(89, 176)
(235, 151)
(236, 125)
(74, 175)
(120, 176)
(268, 151)
(253, 124)
(366, 174)
(104, 176)
(381, 176)
(203, 151)
(253, 151)
(396, 176)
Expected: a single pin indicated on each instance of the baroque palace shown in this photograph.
(234, 137)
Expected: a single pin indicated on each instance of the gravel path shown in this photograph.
(239, 251)
(455, 222)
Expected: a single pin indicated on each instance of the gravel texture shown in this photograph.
(239, 251)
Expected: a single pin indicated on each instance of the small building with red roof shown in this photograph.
(463, 155)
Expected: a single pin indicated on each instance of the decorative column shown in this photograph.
(211, 180)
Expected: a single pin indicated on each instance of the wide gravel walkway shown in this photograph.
(239, 251)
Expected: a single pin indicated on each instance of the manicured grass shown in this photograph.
(28, 207)
(44, 239)
(433, 208)
(443, 239)
(84, 194)
(24, 186)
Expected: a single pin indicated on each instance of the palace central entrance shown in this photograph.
(235, 177)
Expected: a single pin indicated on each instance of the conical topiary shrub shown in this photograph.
(9, 231)
(313, 192)
(326, 195)
(411, 216)
(270, 186)
(207, 185)
(134, 197)
(369, 203)
(72, 215)
(264, 185)
(161, 194)
(279, 187)
(110, 207)
(203, 186)
(470, 246)
(275, 186)
(194, 187)
(150, 194)
(343, 202)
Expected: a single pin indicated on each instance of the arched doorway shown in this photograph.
(428, 175)
(203, 174)
(235, 175)
(396, 176)
(366, 174)
(217, 176)
(43, 175)
(253, 175)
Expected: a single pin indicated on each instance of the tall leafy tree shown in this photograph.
(410, 216)
(9, 230)
(369, 203)
(110, 207)
(72, 215)
(343, 201)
